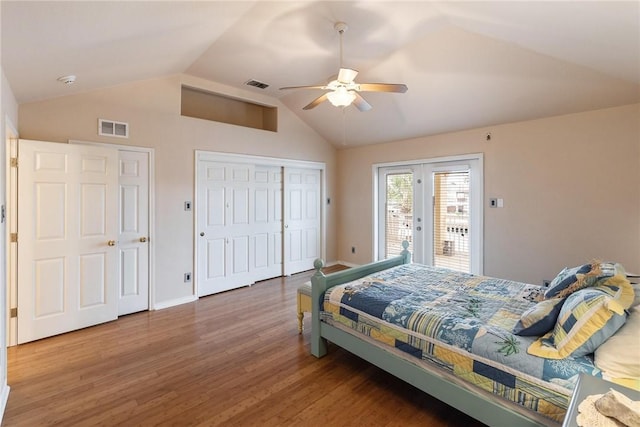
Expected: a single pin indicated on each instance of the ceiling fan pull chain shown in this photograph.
(340, 27)
(341, 55)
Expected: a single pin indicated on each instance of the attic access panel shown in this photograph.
(200, 104)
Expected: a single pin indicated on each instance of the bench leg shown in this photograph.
(300, 322)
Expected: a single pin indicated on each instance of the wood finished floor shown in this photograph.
(232, 359)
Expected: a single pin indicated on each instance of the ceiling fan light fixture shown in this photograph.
(343, 91)
(341, 97)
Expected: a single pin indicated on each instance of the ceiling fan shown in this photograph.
(343, 91)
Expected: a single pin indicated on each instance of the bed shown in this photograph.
(464, 354)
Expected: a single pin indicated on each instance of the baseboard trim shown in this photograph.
(4, 398)
(348, 264)
(172, 303)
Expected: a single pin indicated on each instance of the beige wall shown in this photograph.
(152, 109)
(571, 189)
(9, 104)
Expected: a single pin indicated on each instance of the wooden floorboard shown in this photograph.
(231, 359)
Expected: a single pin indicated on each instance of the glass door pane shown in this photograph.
(398, 212)
(451, 223)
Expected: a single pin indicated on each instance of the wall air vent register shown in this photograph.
(113, 128)
(256, 83)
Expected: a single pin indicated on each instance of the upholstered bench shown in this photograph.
(304, 303)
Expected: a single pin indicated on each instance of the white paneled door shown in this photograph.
(133, 233)
(267, 222)
(254, 220)
(302, 219)
(67, 231)
(225, 209)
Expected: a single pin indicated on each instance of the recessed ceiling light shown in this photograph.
(68, 80)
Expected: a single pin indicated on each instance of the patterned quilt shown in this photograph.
(462, 323)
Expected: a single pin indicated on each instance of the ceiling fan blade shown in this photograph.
(303, 87)
(346, 75)
(361, 104)
(316, 102)
(383, 87)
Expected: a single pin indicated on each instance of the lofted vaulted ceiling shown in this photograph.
(466, 64)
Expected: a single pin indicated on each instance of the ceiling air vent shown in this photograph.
(257, 84)
(112, 128)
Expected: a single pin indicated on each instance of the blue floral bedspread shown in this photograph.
(462, 323)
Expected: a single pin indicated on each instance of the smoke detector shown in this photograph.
(68, 80)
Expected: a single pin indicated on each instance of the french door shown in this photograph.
(436, 205)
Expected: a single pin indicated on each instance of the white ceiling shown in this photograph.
(467, 64)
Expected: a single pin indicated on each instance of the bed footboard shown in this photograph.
(321, 282)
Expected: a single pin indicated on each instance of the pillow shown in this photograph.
(587, 318)
(570, 280)
(564, 279)
(539, 319)
(618, 356)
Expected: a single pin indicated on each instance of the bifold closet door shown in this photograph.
(254, 222)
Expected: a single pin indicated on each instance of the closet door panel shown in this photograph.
(302, 226)
(255, 222)
(267, 222)
(225, 242)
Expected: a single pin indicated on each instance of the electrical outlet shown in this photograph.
(353, 249)
(187, 277)
(187, 206)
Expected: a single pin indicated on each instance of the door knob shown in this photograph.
(111, 243)
(143, 239)
(202, 233)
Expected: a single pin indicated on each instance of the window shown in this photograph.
(451, 223)
(398, 211)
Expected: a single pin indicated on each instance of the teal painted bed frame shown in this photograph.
(471, 402)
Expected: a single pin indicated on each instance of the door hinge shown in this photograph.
(13, 312)
(14, 237)
(14, 162)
